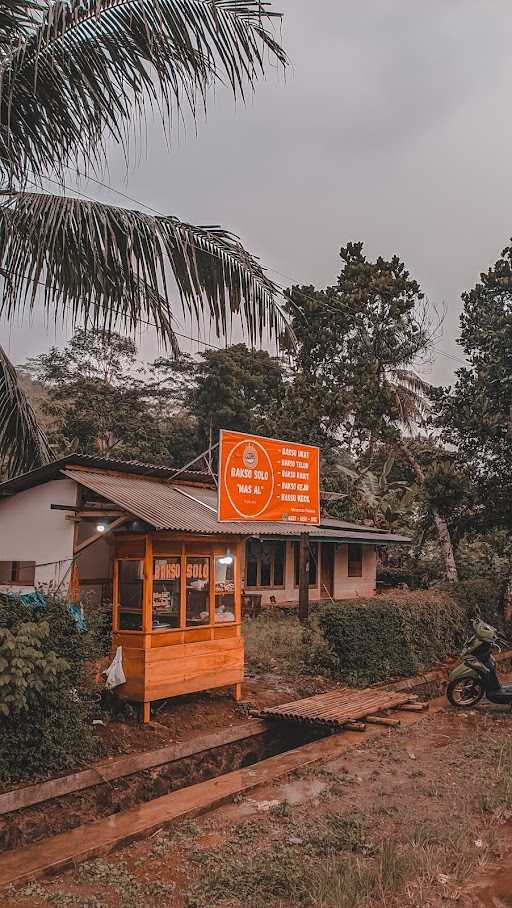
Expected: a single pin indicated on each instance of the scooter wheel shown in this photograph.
(464, 692)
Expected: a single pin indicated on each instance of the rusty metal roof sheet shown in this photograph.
(53, 471)
(191, 509)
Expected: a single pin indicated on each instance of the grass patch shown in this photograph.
(274, 642)
(351, 882)
(279, 871)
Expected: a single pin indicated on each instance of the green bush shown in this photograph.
(478, 599)
(363, 641)
(393, 635)
(45, 720)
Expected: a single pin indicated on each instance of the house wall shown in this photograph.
(95, 566)
(345, 587)
(31, 531)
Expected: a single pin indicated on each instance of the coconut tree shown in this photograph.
(411, 394)
(76, 77)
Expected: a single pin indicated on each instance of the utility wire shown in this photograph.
(306, 297)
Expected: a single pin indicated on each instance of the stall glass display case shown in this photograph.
(177, 615)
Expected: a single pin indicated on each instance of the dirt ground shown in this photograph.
(183, 718)
(417, 817)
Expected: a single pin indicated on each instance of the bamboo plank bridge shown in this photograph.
(349, 709)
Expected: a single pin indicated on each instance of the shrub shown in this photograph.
(393, 635)
(46, 722)
(478, 599)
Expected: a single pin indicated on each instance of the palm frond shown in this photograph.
(411, 381)
(411, 395)
(17, 20)
(111, 267)
(23, 445)
(91, 65)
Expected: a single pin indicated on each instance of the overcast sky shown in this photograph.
(392, 126)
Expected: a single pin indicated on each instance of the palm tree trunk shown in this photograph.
(443, 533)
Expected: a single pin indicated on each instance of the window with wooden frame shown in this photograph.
(355, 559)
(197, 590)
(225, 588)
(313, 563)
(130, 593)
(19, 573)
(265, 564)
(166, 592)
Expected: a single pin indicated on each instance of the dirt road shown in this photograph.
(419, 817)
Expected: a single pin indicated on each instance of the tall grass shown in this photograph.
(274, 643)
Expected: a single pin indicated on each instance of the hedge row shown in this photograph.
(368, 640)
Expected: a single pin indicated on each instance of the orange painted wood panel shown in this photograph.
(217, 664)
(130, 547)
(193, 650)
(183, 669)
(165, 547)
(193, 685)
(164, 639)
(229, 630)
(129, 640)
(203, 633)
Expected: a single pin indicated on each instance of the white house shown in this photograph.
(71, 512)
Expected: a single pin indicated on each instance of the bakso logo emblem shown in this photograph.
(250, 457)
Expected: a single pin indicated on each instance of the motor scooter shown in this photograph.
(476, 675)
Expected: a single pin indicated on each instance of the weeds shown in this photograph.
(271, 640)
(130, 892)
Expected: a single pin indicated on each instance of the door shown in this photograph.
(327, 570)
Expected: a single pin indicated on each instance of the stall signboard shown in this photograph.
(268, 480)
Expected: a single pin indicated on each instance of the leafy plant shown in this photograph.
(44, 713)
(25, 668)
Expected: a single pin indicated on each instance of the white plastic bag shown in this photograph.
(115, 674)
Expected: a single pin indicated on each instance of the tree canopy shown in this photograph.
(475, 415)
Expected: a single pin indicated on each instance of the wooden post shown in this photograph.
(304, 578)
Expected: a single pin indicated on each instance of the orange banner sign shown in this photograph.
(265, 479)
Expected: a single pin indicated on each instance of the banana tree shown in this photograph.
(75, 77)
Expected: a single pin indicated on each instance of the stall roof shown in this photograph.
(187, 508)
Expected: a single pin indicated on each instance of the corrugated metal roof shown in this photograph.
(53, 471)
(194, 510)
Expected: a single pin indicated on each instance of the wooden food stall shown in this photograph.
(177, 615)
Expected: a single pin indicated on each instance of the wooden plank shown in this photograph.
(163, 639)
(226, 631)
(147, 606)
(413, 707)
(195, 635)
(382, 720)
(120, 767)
(337, 708)
(185, 669)
(86, 842)
(128, 639)
(193, 685)
(96, 536)
(102, 836)
(196, 650)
